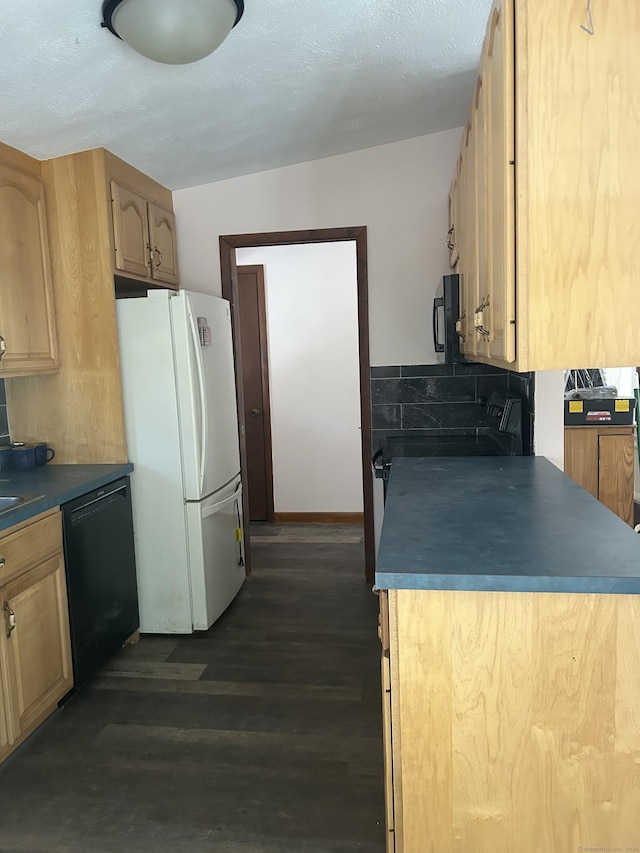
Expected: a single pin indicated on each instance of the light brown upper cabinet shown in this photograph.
(547, 188)
(144, 236)
(27, 314)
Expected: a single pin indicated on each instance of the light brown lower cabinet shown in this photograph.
(514, 722)
(35, 649)
(601, 460)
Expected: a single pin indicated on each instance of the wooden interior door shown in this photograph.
(255, 382)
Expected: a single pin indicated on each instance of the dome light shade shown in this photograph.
(172, 31)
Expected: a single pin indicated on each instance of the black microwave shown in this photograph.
(446, 312)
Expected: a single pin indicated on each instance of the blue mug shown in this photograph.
(23, 457)
(43, 453)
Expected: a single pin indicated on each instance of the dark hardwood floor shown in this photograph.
(262, 735)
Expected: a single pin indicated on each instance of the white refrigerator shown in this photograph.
(176, 361)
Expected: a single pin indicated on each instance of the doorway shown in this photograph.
(228, 246)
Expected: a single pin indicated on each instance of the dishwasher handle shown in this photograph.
(98, 504)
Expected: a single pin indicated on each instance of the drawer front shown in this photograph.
(29, 544)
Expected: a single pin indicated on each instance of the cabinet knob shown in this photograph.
(450, 238)
(11, 621)
(481, 329)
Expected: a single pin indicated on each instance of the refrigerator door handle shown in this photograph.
(210, 510)
(204, 424)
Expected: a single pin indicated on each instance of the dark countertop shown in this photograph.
(503, 524)
(55, 484)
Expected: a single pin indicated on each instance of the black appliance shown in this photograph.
(101, 575)
(446, 312)
(499, 433)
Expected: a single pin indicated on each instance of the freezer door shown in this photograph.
(205, 381)
(216, 553)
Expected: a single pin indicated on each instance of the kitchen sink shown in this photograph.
(9, 502)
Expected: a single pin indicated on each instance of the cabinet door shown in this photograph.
(162, 241)
(482, 317)
(36, 644)
(5, 746)
(452, 242)
(130, 231)
(601, 460)
(469, 285)
(581, 457)
(615, 474)
(388, 758)
(385, 674)
(499, 146)
(27, 315)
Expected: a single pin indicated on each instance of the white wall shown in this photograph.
(399, 191)
(312, 331)
(548, 433)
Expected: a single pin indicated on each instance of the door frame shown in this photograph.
(358, 234)
(258, 270)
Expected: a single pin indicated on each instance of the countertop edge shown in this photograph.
(508, 583)
(94, 477)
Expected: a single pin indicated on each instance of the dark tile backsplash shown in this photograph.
(4, 417)
(442, 398)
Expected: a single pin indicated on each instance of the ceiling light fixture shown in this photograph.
(172, 31)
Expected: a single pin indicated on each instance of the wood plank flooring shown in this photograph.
(261, 735)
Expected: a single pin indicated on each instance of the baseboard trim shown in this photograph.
(318, 517)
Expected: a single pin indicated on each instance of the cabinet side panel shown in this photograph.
(519, 721)
(569, 799)
(491, 650)
(423, 715)
(578, 182)
(79, 410)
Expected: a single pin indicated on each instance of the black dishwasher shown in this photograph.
(101, 575)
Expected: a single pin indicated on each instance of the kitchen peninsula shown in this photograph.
(511, 668)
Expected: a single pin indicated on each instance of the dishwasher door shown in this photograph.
(101, 575)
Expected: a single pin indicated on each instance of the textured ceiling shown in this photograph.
(296, 80)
